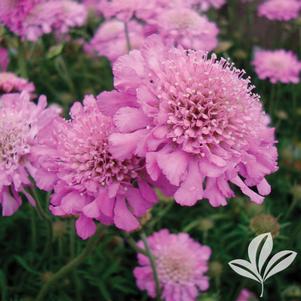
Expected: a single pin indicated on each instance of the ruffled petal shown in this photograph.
(85, 227)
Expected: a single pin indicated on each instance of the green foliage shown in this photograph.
(63, 72)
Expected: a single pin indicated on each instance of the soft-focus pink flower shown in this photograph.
(277, 66)
(43, 17)
(21, 120)
(14, 12)
(204, 5)
(181, 264)
(110, 39)
(120, 9)
(185, 27)
(10, 83)
(281, 10)
(195, 120)
(4, 59)
(88, 182)
(245, 295)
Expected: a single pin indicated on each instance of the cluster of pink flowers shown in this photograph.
(280, 10)
(21, 121)
(31, 19)
(178, 23)
(9, 83)
(277, 66)
(181, 265)
(177, 119)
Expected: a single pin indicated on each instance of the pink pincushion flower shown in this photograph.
(194, 119)
(9, 83)
(21, 120)
(281, 10)
(57, 16)
(110, 40)
(277, 66)
(14, 12)
(185, 27)
(245, 295)
(4, 59)
(43, 17)
(181, 264)
(88, 182)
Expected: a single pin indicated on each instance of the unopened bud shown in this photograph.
(59, 229)
(205, 224)
(215, 269)
(265, 223)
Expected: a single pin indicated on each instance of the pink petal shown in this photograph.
(123, 146)
(9, 204)
(91, 210)
(110, 102)
(191, 190)
(173, 165)
(138, 205)
(123, 218)
(73, 202)
(129, 119)
(85, 227)
(256, 198)
(147, 192)
(264, 187)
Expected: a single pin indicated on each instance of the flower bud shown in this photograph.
(265, 223)
(292, 293)
(59, 229)
(205, 224)
(215, 269)
(296, 192)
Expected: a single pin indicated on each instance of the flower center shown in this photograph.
(174, 267)
(206, 104)
(13, 140)
(85, 159)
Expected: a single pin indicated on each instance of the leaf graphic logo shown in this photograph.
(259, 251)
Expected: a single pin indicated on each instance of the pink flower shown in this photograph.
(13, 13)
(43, 17)
(181, 263)
(245, 295)
(110, 39)
(88, 182)
(195, 120)
(4, 59)
(185, 27)
(205, 5)
(20, 122)
(9, 83)
(120, 9)
(280, 10)
(277, 66)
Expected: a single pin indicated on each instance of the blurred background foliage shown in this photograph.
(64, 73)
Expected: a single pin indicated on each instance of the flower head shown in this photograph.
(21, 121)
(87, 180)
(197, 123)
(13, 13)
(185, 27)
(110, 39)
(277, 66)
(280, 10)
(181, 264)
(43, 17)
(10, 83)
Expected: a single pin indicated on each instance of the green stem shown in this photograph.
(127, 36)
(69, 267)
(153, 266)
(133, 244)
(22, 61)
